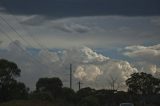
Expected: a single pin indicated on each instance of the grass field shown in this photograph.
(27, 103)
(42, 103)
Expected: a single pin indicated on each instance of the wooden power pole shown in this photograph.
(79, 85)
(71, 76)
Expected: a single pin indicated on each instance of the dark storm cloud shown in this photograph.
(71, 8)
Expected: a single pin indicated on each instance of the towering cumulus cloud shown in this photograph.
(90, 67)
(87, 72)
(82, 55)
(103, 74)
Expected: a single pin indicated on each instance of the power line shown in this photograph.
(33, 59)
(24, 28)
(28, 33)
(6, 35)
(31, 35)
(12, 28)
(19, 35)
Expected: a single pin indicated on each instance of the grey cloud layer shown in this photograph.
(98, 31)
(72, 8)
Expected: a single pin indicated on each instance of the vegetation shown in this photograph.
(52, 86)
(9, 87)
(142, 83)
(27, 103)
(142, 88)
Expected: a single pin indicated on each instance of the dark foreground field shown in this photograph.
(27, 103)
(43, 103)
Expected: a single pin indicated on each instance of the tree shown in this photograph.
(52, 85)
(8, 71)
(15, 90)
(114, 82)
(84, 92)
(44, 96)
(89, 101)
(142, 83)
(105, 96)
(9, 87)
(69, 94)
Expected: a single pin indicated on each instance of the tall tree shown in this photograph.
(9, 87)
(52, 85)
(114, 82)
(69, 94)
(84, 92)
(8, 70)
(142, 83)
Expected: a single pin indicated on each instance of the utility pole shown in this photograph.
(79, 85)
(71, 76)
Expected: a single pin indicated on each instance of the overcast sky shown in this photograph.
(102, 38)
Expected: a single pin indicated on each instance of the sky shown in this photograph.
(102, 39)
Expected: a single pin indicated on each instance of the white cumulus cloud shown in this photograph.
(82, 55)
(87, 72)
(148, 53)
(146, 58)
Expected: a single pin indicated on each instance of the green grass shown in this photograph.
(27, 103)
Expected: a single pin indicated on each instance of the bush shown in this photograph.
(68, 95)
(45, 96)
(89, 101)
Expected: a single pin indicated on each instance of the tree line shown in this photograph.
(142, 88)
